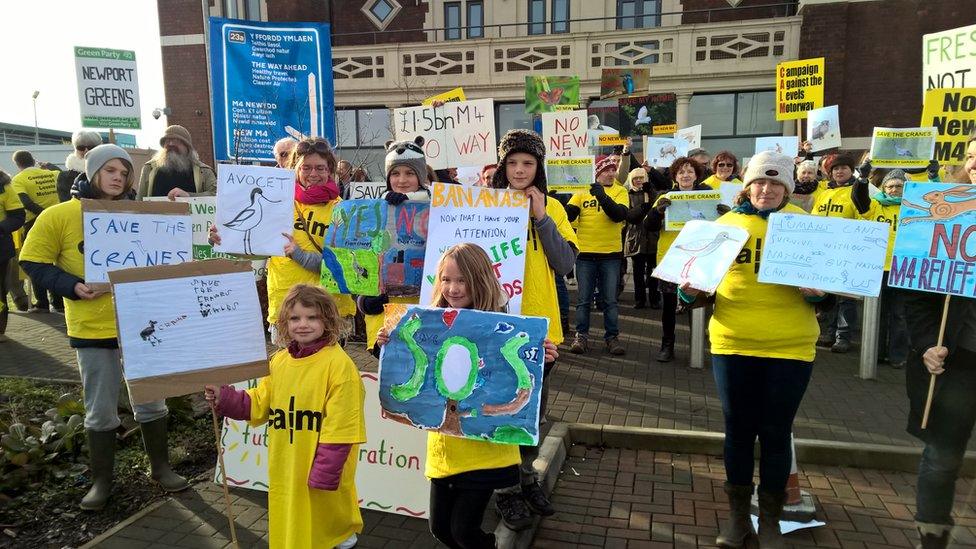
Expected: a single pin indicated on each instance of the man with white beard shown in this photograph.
(176, 170)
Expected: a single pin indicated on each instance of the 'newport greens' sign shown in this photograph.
(108, 88)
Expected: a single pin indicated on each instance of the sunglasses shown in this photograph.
(83, 148)
(317, 145)
(725, 165)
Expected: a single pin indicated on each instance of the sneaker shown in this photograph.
(514, 511)
(35, 309)
(537, 500)
(666, 354)
(841, 346)
(614, 347)
(350, 542)
(579, 345)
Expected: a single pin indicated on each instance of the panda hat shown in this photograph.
(410, 154)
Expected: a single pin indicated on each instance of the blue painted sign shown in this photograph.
(269, 81)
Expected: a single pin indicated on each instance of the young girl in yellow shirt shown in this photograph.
(312, 402)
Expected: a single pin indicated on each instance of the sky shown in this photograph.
(45, 60)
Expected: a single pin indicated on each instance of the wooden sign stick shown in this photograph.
(928, 401)
(223, 474)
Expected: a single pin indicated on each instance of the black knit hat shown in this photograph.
(841, 160)
(523, 141)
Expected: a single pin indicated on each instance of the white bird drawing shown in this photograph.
(249, 218)
(701, 248)
(903, 152)
(642, 117)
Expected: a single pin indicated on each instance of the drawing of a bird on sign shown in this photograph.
(255, 209)
(701, 254)
(250, 217)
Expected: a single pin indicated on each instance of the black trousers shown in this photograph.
(4, 308)
(456, 514)
(645, 285)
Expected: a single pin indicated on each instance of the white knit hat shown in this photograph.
(770, 165)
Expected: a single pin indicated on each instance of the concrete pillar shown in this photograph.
(869, 338)
(683, 101)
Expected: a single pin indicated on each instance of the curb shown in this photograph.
(118, 527)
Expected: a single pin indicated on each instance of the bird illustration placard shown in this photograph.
(779, 144)
(623, 82)
(701, 254)
(691, 205)
(823, 128)
(660, 152)
(903, 147)
(255, 206)
(570, 174)
(654, 114)
(465, 373)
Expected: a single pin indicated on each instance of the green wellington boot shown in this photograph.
(101, 451)
(154, 437)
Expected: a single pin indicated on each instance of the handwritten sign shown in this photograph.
(570, 174)
(953, 113)
(124, 234)
(450, 96)
(799, 88)
(169, 317)
(833, 254)
(255, 205)
(902, 147)
(701, 254)
(564, 133)
(359, 190)
(948, 59)
(689, 205)
(935, 247)
(662, 151)
(495, 219)
(456, 134)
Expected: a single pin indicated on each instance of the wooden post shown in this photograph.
(928, 400)
(223, 474)
(111, 135)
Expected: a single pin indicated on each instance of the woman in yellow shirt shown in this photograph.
(725, 170)
(763, 345)
(11, 219)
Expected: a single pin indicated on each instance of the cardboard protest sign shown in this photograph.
(660, 152)
(108, 88)
(495, 219)
(823, 128)
(701, 254)
(692, 135)
(935, 247)
(629, 81)
(465, 373)
(654, 114)
(564, 133)
(689, 205)
(455, 134)
(373, 248)
(185, 326)
(389, 475)
(359, 190)
(255, 205)
(953, 114)
(902, 147)
(603, 123)
(948, 59)
(450, 96)
(799, 88)
(833, 254)
(551, 93)
(124, 234)
(729, 191)
(788, 145)
(570, 174)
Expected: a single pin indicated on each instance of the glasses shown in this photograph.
(83, 148)
(309, 146)
(318, 169)
(725, 165)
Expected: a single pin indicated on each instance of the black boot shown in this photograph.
(666, 354)
(770, 509)
(157, 448)
(932, 536)
(101, 453)
(739, 528)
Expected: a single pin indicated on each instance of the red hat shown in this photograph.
(608, 163)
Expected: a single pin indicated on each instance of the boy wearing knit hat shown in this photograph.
(406, 171)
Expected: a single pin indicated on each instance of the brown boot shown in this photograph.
(770, 510)
(739, 527)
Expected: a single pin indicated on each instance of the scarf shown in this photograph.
(316, 194)
(806, 187)
(886, 200)
(747, 208)
(834, 185)
(297, 351)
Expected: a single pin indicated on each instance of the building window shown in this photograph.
(252, 10)
(360, 137)
(381, 12)
(638, 14)
(509, 116)
(452, 20)
(476, 19)
(230, 9)
(733, 121)
(560, 16)
(537, 16)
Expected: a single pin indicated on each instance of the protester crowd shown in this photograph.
(763, 337)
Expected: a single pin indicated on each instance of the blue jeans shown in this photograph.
(841, 322)
(562, 295)
(587, 273)
(760, 397)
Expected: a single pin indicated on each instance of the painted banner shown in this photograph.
(570, 174)
(564, 133)
(108, 88)
(949, 59)
(373, 248)
(953, 114)
(450, 96)
(495, 219)
(359, 190)
(701, 254)
(689, 205)
(935, 247)
(799, 88)
(603, 123)
(660, 152)
(654, 114)
(455, 134)
(465, 373)
(269, 81)
(173, 319)
(823, 128)
(389, 475)
(622, 82)
(691, 134)
(255, 206)
(788, 145)
(125, 234)
(551, 93)
(833, 254)
(902, 147)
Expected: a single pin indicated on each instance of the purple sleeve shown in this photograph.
(234, 404)
(327, 466)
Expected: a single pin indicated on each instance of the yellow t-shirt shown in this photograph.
(539, 284)
(39, 185)
(57, 238)
(448, 456)
(9, 201)
(835, 202)
(307, 401)
(283, 272)
(714, 182)
(597, 233)
(887, 214)
(756, 319)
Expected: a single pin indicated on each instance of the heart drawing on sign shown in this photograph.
(449, 316)
(551, 97)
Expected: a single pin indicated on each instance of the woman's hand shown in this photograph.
(811, 292)
(290, 245)
(177, 192)
(688, 290)
(382, 337)
(83, 291)
(934, 359)
(213, 237)
(537, 203)
(212, 394)
(551, 352)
